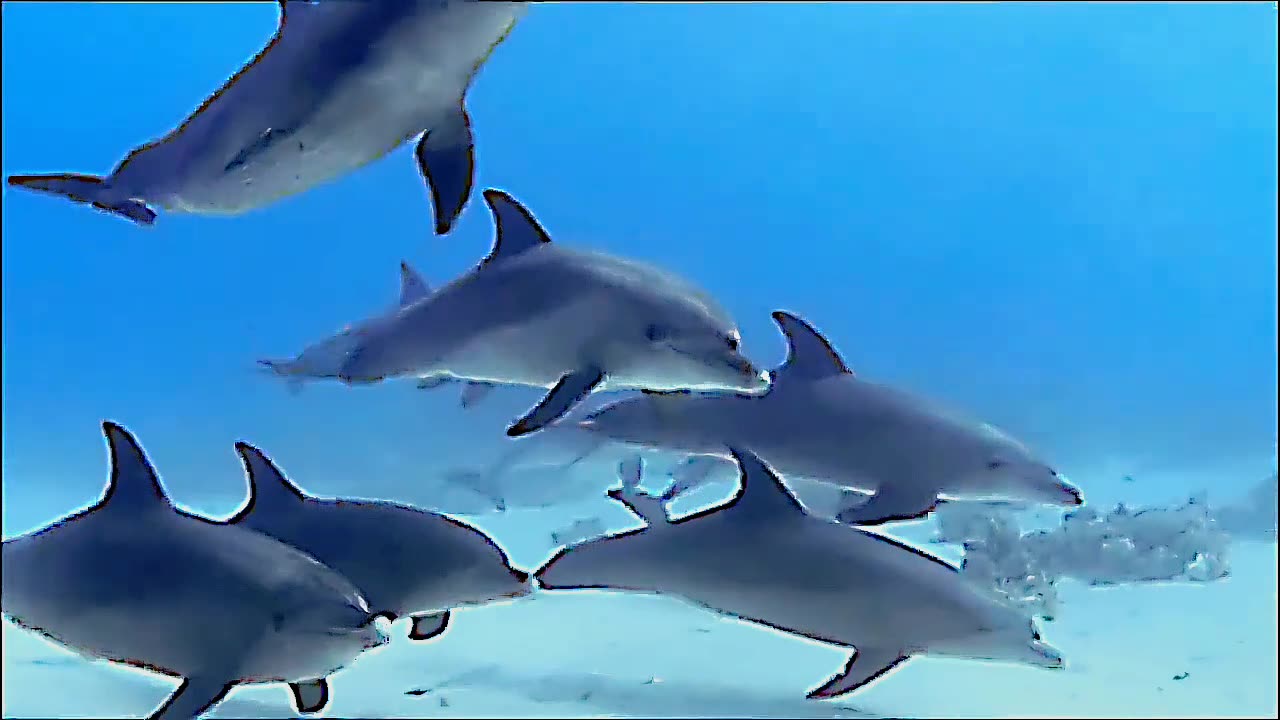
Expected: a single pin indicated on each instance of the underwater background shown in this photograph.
(1060, 218)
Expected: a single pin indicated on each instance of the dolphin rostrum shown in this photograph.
(136, 581)
(339, 85)
(762, 559)
(539, 314)
(406, 561)
(818, 420)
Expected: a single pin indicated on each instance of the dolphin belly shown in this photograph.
(275, 140)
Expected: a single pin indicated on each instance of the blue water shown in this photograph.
(1059, 218)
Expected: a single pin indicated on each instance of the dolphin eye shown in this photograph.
(655, 333)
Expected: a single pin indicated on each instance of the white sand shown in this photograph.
(591, 654)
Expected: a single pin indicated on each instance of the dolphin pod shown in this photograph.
(134, 580)
(295, 587)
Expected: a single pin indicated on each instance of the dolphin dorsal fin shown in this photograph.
(134, 483)
(516, 230)
(761, 493)
(269, 489)
(809, 355)
(631, 472)
(412, 287)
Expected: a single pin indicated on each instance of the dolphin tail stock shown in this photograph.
(280, 368)
(88, 189)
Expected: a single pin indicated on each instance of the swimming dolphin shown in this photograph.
(536, 313)
(762, 559)
(406, 561)
(339, 85)
(134, 580)
(323, 359)
(819, 420)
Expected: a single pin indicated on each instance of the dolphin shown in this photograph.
(536, 313)
(762, 559)
(134, 580)
(819, 420)
(323, 359)
(406, 561)
(339, 85)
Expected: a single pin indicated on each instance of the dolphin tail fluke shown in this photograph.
(87, 189)
(280, 368)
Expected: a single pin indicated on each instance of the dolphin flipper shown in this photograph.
(567, 393)
(193, 698)
(426, 627)
(446, 158)
(890, 503)
(473, 392)
(87, 189)
(866, 665)
(311, 696)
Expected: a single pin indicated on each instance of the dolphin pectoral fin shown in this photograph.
(426, 627)
(193, 698)
(473, 392)
(90, 190)
(446, 158)
(866, 665)
(889, 504)
(310, 696)
(571, 389)
(265, 140)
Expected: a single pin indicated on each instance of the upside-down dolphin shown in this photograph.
(818, 420)
(339, 85)
(763, 559)
(405, 561)
(136, 581)
(539, 314)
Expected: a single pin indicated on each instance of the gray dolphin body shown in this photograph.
(339, 85)
(406, 561)
(323, 359)
(539, 314)
(818, 420)
(135, 581)
(761, 558)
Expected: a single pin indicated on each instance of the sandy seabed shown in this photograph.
(1168, 650)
